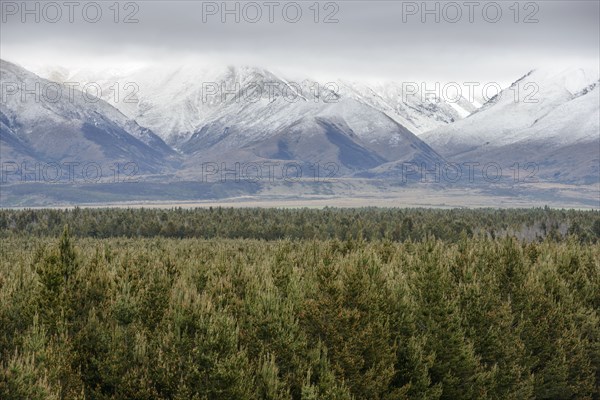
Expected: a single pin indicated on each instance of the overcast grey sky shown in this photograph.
(370, 40)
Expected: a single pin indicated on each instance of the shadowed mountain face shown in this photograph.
(42, 121)
(554, 124)
(311, 141)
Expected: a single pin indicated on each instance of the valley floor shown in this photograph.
(336, 193)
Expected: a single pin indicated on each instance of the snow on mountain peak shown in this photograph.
(177, 100)
(555, 106)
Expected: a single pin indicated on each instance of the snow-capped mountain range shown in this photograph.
(173, 118)
(178, 101)
(43, 121)
(549, 118)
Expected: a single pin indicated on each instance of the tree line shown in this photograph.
(329, 223)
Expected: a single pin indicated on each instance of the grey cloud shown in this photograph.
(371, 39)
